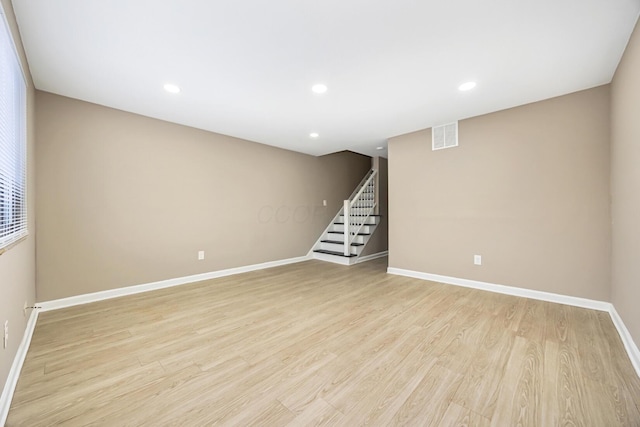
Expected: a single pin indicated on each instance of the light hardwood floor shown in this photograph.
(321, 344)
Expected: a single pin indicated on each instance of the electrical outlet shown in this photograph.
(324, 203)
(200, 255)
(5, 341)
(477, 259)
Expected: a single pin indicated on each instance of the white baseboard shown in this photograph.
(16, 367)
(502, 289)
(18, 361)
(372, 256)
(625, 336)
(136, 289)
(14, 373)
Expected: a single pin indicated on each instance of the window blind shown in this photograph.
(13, 170)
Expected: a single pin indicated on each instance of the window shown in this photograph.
(13, 170)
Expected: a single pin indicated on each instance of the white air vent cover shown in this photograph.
(444, 136)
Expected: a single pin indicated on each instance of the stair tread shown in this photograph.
(342, 223)
(338, 242)
(324, 251)
(341, 232)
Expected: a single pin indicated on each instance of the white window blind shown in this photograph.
(13, 170)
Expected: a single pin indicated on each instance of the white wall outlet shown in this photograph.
(324, 203)
(5, 340)
(200, 255)
(477, 259)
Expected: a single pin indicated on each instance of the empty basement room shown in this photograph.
(336, 213)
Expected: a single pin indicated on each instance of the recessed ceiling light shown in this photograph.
(467, 86)
(379, 148)
(171, 88)
(314, 135)
(319, 88)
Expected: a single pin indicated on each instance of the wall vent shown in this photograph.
(444, 136)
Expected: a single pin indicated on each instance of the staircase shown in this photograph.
(347, 235)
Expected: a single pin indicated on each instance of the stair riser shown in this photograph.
(335, 259)
(366, 229)
(363, 209)
(340, 238)
(372, 220)
(355, 250)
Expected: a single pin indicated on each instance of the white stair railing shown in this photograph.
(358, 209)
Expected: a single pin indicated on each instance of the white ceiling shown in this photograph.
(246, 67)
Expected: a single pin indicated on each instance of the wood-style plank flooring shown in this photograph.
(322, 344)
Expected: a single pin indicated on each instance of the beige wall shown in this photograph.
(625, 186)
(17, 265)
(379, 241)
(527, 189)
(125, 199)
